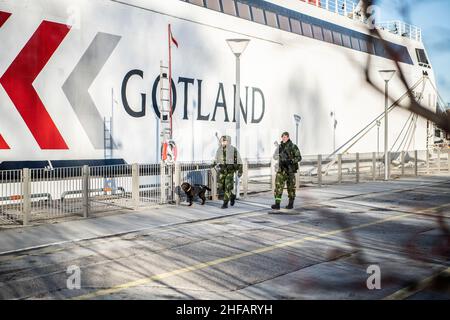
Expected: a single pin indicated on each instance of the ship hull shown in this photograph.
(106, 66)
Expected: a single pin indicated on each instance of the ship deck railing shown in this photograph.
(353, 10)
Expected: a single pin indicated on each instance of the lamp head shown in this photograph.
(387, 75)
(238, 46)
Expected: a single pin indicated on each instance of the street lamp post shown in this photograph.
(378, 136)
(386, 75)
(192, 129)
(297, 119)
(378, 145)
(333, 115)
(238, 47)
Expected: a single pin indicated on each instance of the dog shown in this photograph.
(194, 190)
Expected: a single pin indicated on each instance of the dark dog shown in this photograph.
(195, 190)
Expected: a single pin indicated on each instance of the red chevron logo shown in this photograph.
(3, 144)
(18, 83)
(3, 17)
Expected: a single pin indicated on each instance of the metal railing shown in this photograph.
(147, 184)
(28, 195)
(110, 187)
(11, 196)
(47, 189)
(360, 167)
(352, 10)
(402, 28)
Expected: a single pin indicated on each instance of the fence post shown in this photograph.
(339, 168)
(162, 186)
(245, 177)
(357, 167)
(428, 162)
(416, 163)
(297, 177)
(319, 170)
(403, 162)
(439, 160)
(448, 160)
(26, 189)
(214, 195)
(374, 166)
(177, 183)
(135, 184)
(389, 164)
(86, 191)
(272, 174)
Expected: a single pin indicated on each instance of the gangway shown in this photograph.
(363, 132)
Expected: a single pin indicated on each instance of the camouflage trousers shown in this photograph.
(226, 183)
(284, 178)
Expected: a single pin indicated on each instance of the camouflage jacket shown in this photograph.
(228, 159)
(288, 156)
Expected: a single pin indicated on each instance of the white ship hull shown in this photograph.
(82, 81)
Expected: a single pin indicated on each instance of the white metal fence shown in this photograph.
(51, 192)
(110, 187)
(11, 196)
(35, 194)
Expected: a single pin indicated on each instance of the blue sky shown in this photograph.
(432, 16)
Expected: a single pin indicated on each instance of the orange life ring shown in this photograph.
(169, 151)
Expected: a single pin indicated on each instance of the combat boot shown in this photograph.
(291, 204)
(276, 206)
(225, 204)
(232, 199)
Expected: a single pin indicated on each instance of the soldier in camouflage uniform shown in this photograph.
(229, 162)
(288, 156)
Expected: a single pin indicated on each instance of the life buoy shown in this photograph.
(169, 151)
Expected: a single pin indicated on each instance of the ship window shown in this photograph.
(317, 32)
(258, 15)
(422, 57)
(337, 39)
(307, 29)
(370, 47)
(379, 48)
(244, 11)
(363, 45)
(288, 20)
(398, 53)
(213, 4)
(328, 37)
(284, 23)
(346, 41)
(355, 43)
(229, 7)
(296, 26)
(437, 133)
(271, 19)
(197, 2)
